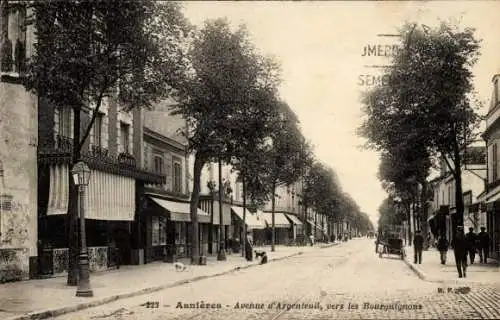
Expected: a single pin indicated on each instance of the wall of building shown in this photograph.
(18, 181)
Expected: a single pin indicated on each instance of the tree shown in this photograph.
(389, 215)
(430, 92)
(322, 190)
(221, 100)
(288, 155)
(89, 51)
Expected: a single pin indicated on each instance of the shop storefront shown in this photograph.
(170, 235)
(282, 227)
(254, 223)
(493, 228)
(109, 211)
(297, 227)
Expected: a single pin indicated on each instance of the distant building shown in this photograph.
(443, 205)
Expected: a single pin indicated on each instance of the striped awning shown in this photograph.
(294, 219)
(180, 211)
(253, 221)
(108, 197)
(59, 190)
(280, 220)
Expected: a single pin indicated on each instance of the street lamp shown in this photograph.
(81, 176)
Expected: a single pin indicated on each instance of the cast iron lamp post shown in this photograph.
(81, 176)
(221, 254)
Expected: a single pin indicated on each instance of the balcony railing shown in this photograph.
(60, 151)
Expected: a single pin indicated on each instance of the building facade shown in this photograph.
(18, 145)
(165, 213)
(491, 197)
(443, 205)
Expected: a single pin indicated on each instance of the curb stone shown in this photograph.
(420, 273)
(55, 312)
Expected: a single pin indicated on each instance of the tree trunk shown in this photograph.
(304, 231)
(244, 237)
(424, 213)
(459, 200)
(199, 162)
(72, 216)
(211, 227)
(273, 202)
(322, 226)
(315, 224)
(408, 214)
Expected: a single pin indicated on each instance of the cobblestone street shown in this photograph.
(348, 281)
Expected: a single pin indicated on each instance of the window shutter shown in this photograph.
(105, 124)
(168, 171)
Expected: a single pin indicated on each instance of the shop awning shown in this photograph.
(253, 221)
(180, 211)
(280, 220)
(108, 196)
(315, 225)
(294, 219)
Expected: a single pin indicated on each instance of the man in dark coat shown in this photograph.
(249, 246)
(418, 246)
(483, 241)
(471, 244)
(459, 244)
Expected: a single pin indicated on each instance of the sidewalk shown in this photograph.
(432, 270)
(41, 299)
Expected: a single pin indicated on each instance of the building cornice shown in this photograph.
(169, 142)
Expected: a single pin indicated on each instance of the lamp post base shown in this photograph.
(221, 255)
(84, 289)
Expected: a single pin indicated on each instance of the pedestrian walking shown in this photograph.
(249, 246)
(311, 239)
(483, 240)
(418, 246)
(442, 246)
(459, 244)
(471, 238)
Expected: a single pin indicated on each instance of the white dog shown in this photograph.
(179, 266)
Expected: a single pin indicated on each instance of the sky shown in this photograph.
(320, 47)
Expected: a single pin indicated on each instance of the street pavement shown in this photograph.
(36, 299)
(348, 281)
(432, 270)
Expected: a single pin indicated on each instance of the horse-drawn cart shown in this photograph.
(391, 246)
(391, 242)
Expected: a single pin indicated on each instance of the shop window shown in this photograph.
(158, 231)
(180, 232)
(13, 38)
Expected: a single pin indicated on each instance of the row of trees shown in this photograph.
(322, 192)
(142, 52)
(425, 114)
